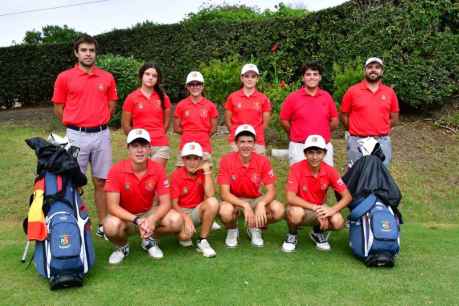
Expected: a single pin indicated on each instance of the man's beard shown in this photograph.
(373, 80)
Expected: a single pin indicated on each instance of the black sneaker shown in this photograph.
(321, 240)
(100, 232)
(290, 243)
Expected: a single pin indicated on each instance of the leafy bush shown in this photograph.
(124, 70)
(345, 76)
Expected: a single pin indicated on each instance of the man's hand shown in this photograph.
(261, 219)
(249, 215)
(324, 211)
(144, 228)
(324, 224)
(188, 225)
(206, 166)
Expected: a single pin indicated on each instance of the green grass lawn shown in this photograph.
(426, 272)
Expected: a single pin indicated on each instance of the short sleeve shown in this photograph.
(175, 186)
(229, 103)
(268, 176)
(332, 107)
(112, 92)
(292, 181)
(224, 176)
(113, 182)
(335, 180)
(128, 104)
(60, 90)
(286, 111)
(394, 108)
(213, 111)
(167, 102)
(266, 105)
(346, 102)
(163, 182)
(178, 111)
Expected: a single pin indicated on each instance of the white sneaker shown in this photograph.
(216, 226)
(151, 246)
(185, 243)
(205, 248)
(118, 255)
(321, 240)
(255, 237)
(100, 232)
(231, 237)
(290, 243)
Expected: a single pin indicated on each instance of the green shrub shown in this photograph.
(221, 78)
(124, 70)
(345, 76)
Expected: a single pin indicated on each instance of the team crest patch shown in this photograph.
(185, 190)
(140, 106)
(149, 186)
(64, 241)
(323, 186)
(383, 97)
(127, 186)
(386, 226)
(233, 177)
(305, 188)
(239, 105)
(255, 178)
(187, 113)
(203, 113)
(101, 87)
(257, 105)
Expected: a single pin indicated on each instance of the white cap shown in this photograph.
(194, 76)
(138, 134)
(315, 141)
(374, 60)
(245, 128)
(192, 148)
(249, 67)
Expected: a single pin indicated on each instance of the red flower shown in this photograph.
(282, 84)
(274, 47)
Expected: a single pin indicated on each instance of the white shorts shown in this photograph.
(296, 153)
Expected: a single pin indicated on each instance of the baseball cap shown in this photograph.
(245, 128)
(194, 76)
(249, 67)
(374, 60)
(138, 134)
(315, 141)
(192, 148)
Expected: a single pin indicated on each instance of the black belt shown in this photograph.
(93, 129)
(374, 136)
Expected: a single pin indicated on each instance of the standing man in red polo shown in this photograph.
(241, 176)
(309, 111)
(195, 117)
(370, 109)
(84, 100)
(248, 106)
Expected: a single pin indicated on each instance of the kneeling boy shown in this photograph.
(192, 193)
(241, 176)
(131, 186)
(307, 185)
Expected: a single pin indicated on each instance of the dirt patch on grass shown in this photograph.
(33, 116)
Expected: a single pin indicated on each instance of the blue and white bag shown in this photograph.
(67, 254)
(374, 232)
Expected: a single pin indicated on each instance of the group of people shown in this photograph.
(135, 195)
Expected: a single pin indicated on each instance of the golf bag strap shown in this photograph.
(362, 206)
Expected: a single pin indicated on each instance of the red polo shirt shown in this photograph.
(310, 188)
(136, 195)
(188, 189)
(196, 121)
(245, 181)
(147, 113)
(308, 115)
(85, 96)
(248, 110)
(369, 113)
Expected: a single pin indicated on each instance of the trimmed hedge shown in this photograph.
(417, 39)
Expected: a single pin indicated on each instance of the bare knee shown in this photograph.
(113, 226)
(227, 212)
(295, 215)
(211, 205)
(172, 222)
(337, 221)
(277, 210)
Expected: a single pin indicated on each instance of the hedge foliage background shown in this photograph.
(417, 39)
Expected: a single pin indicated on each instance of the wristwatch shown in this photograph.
(135, 220)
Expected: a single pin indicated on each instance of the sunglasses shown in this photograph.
(194, 84)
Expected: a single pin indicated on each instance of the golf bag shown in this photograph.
(374, 221)
(374, 232)
(64, 251)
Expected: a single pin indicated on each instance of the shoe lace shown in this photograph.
(150, 242)
(291, 238)
(322, 237)
(204, 244)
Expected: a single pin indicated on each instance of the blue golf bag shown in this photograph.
(67, 253)
(374, 232)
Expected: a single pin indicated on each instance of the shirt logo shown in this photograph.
(386, 226)
(140, 105)
(255, 178)
(257, 105)
(149, 186)
(323, 186)
(233, 177)
(101, 87)
(127, 186)
(185, 190)
(305, 188)
(239, 105)
(383, 97)
(187, 113)
(166, 183)
(203, 113)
